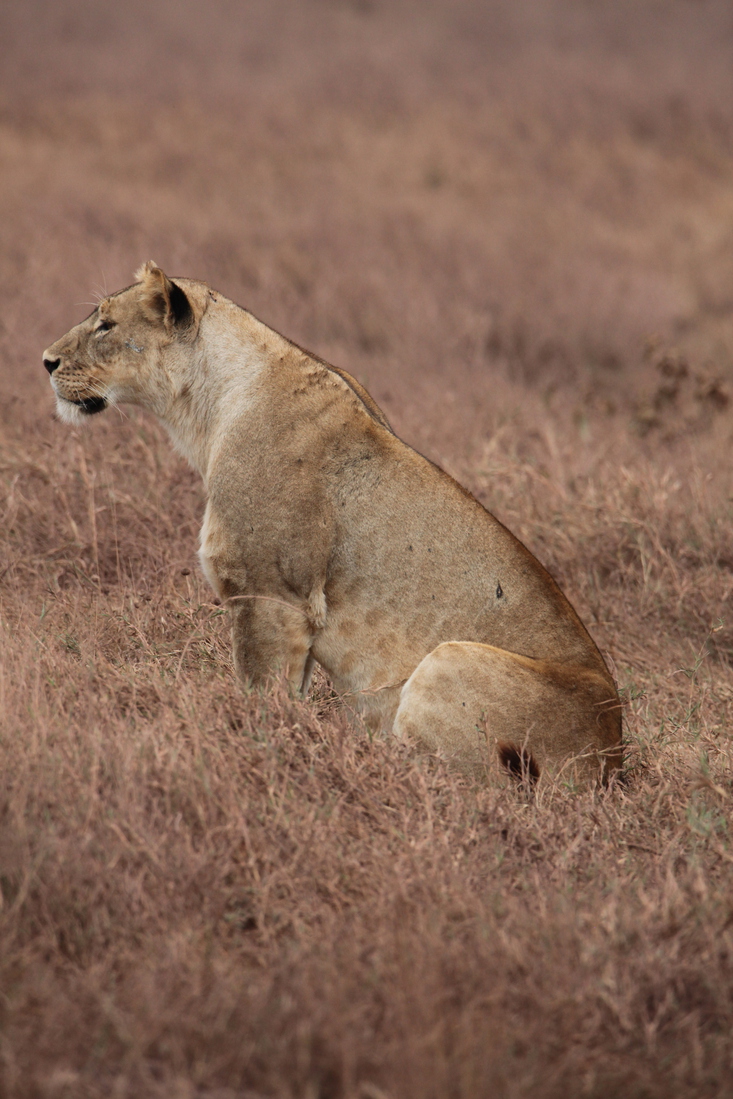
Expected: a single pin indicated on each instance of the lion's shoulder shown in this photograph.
(350, 381)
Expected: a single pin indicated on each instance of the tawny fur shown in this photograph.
(332, 541)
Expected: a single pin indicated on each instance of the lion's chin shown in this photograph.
(75, 412)
(91, 405)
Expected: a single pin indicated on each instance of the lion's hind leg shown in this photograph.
(491, 712)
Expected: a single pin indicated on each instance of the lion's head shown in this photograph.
(114, 355)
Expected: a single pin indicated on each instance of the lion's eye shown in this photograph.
(104, 326)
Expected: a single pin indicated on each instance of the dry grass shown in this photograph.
(514, 225)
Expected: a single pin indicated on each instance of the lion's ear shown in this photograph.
(163, 299)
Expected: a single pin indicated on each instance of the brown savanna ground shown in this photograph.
(514, 223)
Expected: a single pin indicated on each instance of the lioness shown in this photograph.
(333, 541)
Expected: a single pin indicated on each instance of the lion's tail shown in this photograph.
(520, 763)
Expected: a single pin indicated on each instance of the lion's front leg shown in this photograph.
(271, 634)
(270, 638)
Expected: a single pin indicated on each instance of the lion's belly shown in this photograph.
(366, 648)
(370, 648)
(368, 658)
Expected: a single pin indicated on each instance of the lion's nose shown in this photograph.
(51, 364)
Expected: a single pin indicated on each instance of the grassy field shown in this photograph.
(514, 224)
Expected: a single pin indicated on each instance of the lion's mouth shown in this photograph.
(90, 405)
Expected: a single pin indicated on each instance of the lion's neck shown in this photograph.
(215, 382)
